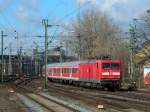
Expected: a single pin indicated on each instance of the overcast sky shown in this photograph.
(25, 15)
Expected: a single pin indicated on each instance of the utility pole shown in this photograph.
(18, 52)
(20, 59)
(45, 23)
(36, 60)
(79, 35)
(80, 48)
(16, 37)
(2, 61)
(60, 51)
(10, 65)
(2, 57)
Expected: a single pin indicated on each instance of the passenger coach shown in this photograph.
(95, 73)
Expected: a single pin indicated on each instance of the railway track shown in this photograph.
(120, 101)
(49, 102)
(144, 91)
(38, 103)
(50, 105)
(110, 101)
(76, 107)
(127, 94)
(132, 99)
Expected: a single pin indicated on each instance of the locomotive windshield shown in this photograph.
(115, 66)
(110, 65)
(106, 65)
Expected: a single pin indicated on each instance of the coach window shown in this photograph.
(54, 70)
(58, 70)
(74, 70)
(50, 71)
(106, 65)
(71, 70)
(64, 70)
(61, 70)
(67, 70)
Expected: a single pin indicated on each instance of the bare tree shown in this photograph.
(96, 35)
(142, 29)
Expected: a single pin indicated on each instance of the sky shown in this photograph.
(25, 16)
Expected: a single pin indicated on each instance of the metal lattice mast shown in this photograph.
(132, 48)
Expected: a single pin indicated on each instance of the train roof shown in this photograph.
(76, 63)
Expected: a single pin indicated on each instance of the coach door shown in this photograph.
(89, 72)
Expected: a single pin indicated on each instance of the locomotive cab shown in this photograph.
(110, 74)
(110, 70)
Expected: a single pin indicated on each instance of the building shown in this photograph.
(142, 60)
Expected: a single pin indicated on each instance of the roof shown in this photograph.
(76, 63)
(73, 63)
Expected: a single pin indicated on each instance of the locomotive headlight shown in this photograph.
(116, 73)
(105, 73)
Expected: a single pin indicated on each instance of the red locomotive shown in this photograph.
(95, 73)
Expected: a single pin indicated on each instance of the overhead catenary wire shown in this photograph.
(63, 18)
(67, 15)
(11, 26)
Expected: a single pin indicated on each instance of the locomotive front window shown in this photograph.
(115, 66)
(106, 65)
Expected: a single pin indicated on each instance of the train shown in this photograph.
(105, 74)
